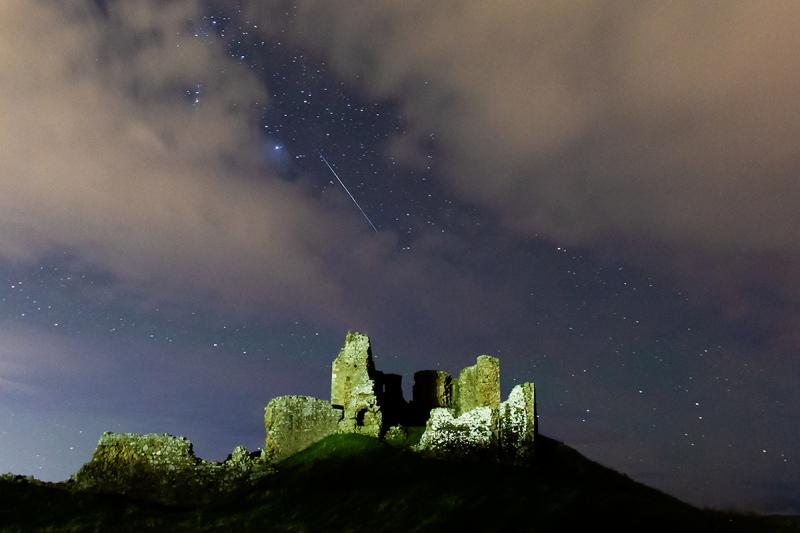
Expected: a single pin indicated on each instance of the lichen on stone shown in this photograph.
(478, 385)
(518, 424)
(471, 434)
(293, 423)
(353, 387)
(461, 416)
(164, 468)
(396, 435)
(447, 418)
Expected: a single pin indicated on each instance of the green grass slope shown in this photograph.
(352, 483)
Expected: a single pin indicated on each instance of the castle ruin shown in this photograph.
(461, 416)
(446, 417)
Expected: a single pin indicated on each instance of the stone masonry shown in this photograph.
(353, 387)
(462, 417)
(164, 468)
(295, 422)
(478, 385)
(446, 417)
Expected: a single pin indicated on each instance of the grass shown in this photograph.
(353, 483)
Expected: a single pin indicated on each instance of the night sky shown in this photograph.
(604, 195)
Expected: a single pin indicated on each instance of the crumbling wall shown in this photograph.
(474, 433)
(461, 416)
(518, 424)
(293, 423)
(477, 423)
(353, 387)
(163, 468)
(478, 385)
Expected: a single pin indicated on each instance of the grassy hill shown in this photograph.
(352, 483)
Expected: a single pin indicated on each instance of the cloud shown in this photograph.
(669, 129)
(683, 115)
(58, 393)
(36, 363)
(104, 156)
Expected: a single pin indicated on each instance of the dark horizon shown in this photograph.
(602, 195)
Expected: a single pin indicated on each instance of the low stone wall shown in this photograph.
(163, 468)
(474, 433)
(295, 422)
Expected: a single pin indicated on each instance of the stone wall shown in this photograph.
(472, 434)
(353, 387)
(163, 468)
(293, 423)
(478, 424)
(461, 418)
(478, 385)
(518, 425)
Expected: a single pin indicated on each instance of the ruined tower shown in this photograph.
(461, 417)
(478, 385)
(353, 387)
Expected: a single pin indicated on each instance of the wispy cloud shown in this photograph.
(665, 133)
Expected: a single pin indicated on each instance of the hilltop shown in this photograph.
(453, 457)
(359, 483)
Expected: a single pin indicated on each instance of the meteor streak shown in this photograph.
(348, 192)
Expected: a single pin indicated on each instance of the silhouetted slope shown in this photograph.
(353, 483)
